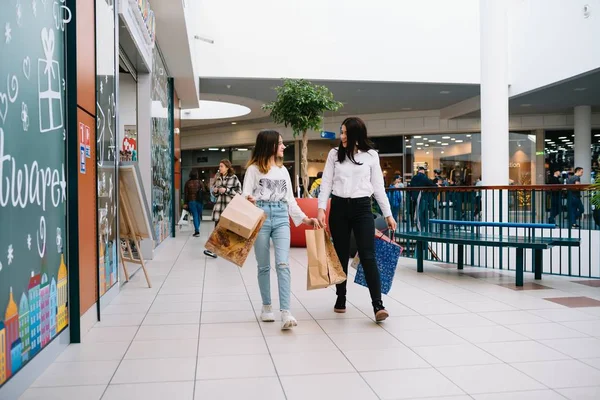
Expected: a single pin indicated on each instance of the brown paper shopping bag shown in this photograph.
(324, 268)
(230, 245)
(241, 217)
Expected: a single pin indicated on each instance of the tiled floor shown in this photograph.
(195, 335)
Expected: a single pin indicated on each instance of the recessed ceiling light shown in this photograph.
(223, 150)
(234, 123)
(418, 148)
(426, 145)
(431, 140)
(468, 135)
(418, 137)
(548, 140)
(453, 139)
(407, 140)
(566, 140)
(426, 152)
(579, 89)
(442, 152)
(459, 141)
(419, 144)
(445, 137)
(597, 135)
(242, 149)
(445, 92)
(525, 105)
(409, 147)
(444, 144)
(562, 137)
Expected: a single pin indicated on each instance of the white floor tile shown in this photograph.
(455, 355)
(139, 349)
(92, 392)
(385, 359)
(563, 315)
(111, 334)
(155, 370)
(333, 326)
(587, 393)
(167, 332)
(151, 391)
(485, 379)
(161, 308)
(239, 366)
(79, 352)
(488, 334)
(513, 317)
(365, 340)
(429, 337)
(79, 373)
(522, 351)
(245, 388)
(110, 320)
(528, 395)
(410, 323)
(215, 317)
(307, 363)
(411, 383)
(300, 344)
(304, 328)
(461, 320)
(594, 362)
(349, 386)
(576, 348)
(191, 318)
(550, 330)
(232, 329)
(591, 328)
(231, 346)
(561, 374)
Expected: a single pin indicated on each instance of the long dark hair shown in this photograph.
(227, 164)
(356, 134)
(266, 146)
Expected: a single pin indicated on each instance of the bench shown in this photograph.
(475, 238)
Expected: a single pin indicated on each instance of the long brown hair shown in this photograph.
(227, 163)
(266, 146)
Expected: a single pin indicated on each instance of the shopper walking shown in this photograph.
(353, 174)
(193, 192)
(267, 183)
(224, 188)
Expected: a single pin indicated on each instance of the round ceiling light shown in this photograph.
(216, 110)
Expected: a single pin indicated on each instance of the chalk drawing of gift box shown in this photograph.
(49, 86)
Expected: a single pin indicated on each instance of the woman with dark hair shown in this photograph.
(352, 175)
(224, 188)
(193, 191)
(267, 183)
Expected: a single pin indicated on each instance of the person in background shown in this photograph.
(225, 186)
(267, 184)
(555, 179)
(420, 200)
(576, 208)
(395, 196)
(193, 192)
(316, 186)
(353, 174)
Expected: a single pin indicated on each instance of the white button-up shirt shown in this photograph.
(349, 180)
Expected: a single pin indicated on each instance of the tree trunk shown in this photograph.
(304, 163)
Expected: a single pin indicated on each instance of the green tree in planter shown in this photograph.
(595, 189)
(301, 105)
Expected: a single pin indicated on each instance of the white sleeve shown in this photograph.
(379, 186)
(327, 180)
(250, 179)
(296, 213)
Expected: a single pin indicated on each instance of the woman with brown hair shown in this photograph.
(224, 188)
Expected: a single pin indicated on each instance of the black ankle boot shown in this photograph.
(381, 313)
(340, 304)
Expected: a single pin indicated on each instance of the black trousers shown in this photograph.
(354, 215)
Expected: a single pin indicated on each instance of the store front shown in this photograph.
(34, 307)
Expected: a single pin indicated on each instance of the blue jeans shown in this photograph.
(196, 210)
(277, 228)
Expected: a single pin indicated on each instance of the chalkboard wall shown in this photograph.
(33, 275)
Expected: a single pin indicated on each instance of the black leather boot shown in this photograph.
(381, 313)
(340, 304)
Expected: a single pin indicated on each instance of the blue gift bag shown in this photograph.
(387, 253)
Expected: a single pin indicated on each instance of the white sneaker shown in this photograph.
(287, 320)
(267, 314)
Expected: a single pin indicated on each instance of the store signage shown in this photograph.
(147, 21)
(539, 153)
(328, 135)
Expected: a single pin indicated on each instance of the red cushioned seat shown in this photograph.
(310, 207)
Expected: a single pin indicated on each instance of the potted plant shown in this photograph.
(301, 104)
(595, 189)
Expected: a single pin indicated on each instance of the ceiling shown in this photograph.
(559, 98)
(385, 97)
(358, 97)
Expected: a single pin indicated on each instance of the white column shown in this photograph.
(144, 143)
(494, 99)
(583, 141)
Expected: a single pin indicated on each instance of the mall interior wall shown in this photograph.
(539, 53)
(330, 40)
